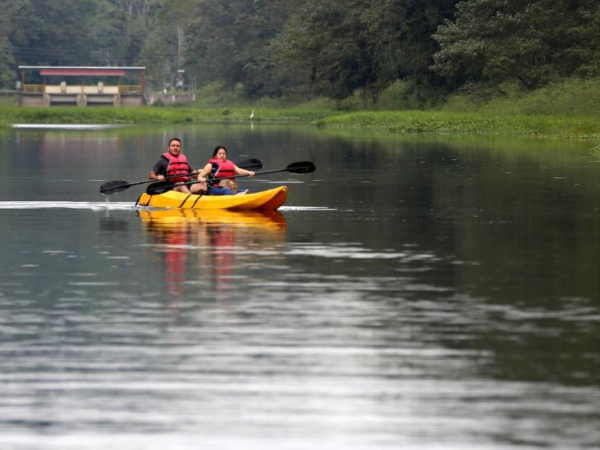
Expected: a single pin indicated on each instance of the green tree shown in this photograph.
(493, 41)
(164, 49)
(417, 22)
(229, 40)
(61, 32)
(335, 47)
(12, 37)
(131, 24)
(73, 32)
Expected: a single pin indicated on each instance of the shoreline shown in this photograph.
(394, 122)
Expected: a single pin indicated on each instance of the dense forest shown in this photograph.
(421, 50)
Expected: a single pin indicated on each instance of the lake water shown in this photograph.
(413, 293)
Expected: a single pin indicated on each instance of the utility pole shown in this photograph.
(179, 46)
(180, 71)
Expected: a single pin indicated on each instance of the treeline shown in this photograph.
(420, 50)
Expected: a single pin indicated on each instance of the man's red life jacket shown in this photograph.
(178, 165)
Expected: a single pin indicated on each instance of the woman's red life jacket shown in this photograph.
(178, 165)
(222, 169)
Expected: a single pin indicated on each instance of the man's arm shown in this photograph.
(159, 170)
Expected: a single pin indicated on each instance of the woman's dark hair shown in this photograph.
(219, 147)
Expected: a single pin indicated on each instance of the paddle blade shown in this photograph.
(113, 187)
(301, 167)
(159, 187)
(250, 164)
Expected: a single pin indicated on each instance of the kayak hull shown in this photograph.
(268, 200)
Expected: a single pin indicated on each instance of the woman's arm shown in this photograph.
(240, 171)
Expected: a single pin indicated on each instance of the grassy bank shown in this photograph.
(566, 109)
(419, 122)
(401, 122)
(110, 115)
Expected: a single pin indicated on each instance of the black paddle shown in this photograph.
(114, 187)
(297, 167)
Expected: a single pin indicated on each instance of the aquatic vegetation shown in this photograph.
(419, 122)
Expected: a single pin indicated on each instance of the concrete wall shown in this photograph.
(33, 100)
(40, 100)
(82, 89)
(169, 99)
(132, 100)
(81, 95)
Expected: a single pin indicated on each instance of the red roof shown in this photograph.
(85, 72)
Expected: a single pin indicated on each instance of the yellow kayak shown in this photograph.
(268, 200)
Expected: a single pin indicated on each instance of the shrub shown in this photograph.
(571, 97)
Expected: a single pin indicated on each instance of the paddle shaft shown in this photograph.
(195, 172)
(243, 164)
(113, 187)
(298, 167)
(165, 188)
(239, 176)
(217, 179)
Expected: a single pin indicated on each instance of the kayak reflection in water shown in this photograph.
(201, 245)
(220, 167)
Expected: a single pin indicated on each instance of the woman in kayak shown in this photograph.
(220, 167)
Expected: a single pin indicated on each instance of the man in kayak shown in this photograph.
(220, 167)
(174, 165)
